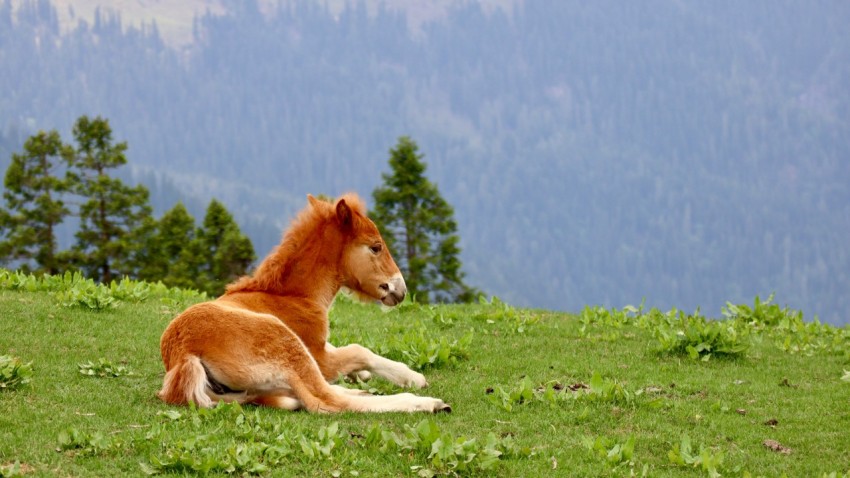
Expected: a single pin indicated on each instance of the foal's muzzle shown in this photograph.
(393, 290)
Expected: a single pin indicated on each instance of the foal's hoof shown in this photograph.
(428, 405)
(415, 380)
(440, 406)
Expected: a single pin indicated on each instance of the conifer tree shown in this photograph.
(113, 216)
(34, 202)
(418, 226)
(228, 252)
(172, 254)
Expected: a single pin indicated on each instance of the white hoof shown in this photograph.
(432, 405)
(415, 380)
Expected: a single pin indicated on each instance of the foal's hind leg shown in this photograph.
(337, 401)
(284, 401)
(288, 401)
(355, 359)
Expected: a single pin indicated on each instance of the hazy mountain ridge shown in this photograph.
(686, 153)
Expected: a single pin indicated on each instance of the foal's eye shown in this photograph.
(376, 249)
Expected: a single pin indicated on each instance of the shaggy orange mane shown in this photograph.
(277, 271)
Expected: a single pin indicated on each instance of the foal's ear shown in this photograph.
(343, 213)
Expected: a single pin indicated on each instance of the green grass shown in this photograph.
(592, 394)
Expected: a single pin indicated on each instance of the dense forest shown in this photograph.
(688, 153)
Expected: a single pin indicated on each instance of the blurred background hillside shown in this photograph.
(684, 152)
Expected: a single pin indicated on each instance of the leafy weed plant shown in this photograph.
(421, 351)
(787, 329)
(419, 348)
(72, 289)
(522, 393)
(616, 318)
(13, 372)
(761, 315)
(700, 338)
(614, 453)
(443, 452)
(682, 455)
(103, 368)
(509, 319)
(85, 443)
(87, 295)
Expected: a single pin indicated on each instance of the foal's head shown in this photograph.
(367, 267)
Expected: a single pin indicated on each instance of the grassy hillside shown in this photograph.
(604, 392)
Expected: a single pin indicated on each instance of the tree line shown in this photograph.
(52, 182)
(117, 236)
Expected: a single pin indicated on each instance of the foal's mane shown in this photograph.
(302, 232)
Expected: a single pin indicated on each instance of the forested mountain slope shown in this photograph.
(688, 153)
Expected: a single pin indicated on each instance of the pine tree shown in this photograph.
(113, 215)
(418, 226)
(35, 206)
(229, 253)
(172, 253)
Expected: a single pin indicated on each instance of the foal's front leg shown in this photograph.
(354, 359)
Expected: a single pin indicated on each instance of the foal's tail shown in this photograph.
(186, 382)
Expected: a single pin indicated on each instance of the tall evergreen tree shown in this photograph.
(113, 215)
(172, 254)
(418, 226)
(33, 194)
(227, 251)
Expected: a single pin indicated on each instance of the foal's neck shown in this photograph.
(306, 278)
(305, 265)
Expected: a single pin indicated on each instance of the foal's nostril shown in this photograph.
(384, 287)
